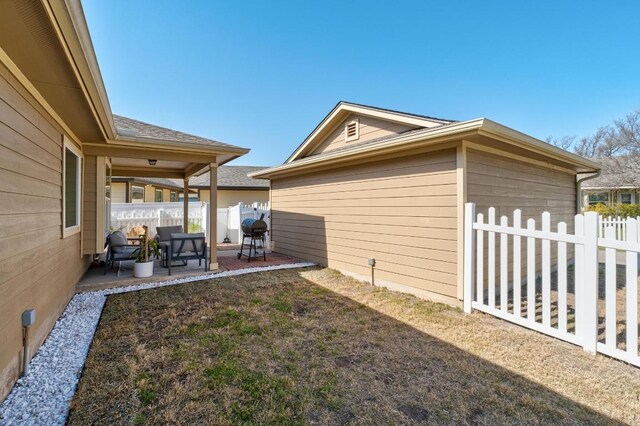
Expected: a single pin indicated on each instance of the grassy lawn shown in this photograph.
(312, 346)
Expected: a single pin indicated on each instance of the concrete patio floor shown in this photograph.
(95, 279)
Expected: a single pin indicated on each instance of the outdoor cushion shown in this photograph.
(119, 239)
(164, 232)
(188, 244)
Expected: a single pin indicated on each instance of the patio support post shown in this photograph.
(212, 226)
(185, 219)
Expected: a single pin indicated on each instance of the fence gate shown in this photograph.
(576, 286)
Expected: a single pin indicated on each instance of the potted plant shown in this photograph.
(144, 266)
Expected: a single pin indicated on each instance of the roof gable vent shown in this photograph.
(352, 130)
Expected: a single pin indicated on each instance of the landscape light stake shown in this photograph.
(372, 263)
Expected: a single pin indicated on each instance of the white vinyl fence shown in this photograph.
(551, 280)
(619, 225)
(126, 216)
(241, 212)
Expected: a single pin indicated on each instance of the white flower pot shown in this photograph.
(143, 269)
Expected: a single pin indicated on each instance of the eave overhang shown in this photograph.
(433, 137)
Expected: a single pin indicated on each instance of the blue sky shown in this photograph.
(262, 74)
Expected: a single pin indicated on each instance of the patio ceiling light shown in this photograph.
(152, 162)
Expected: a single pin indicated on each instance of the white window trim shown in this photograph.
(161, 195)
(632, 193)
(144, 190)
(348, 138)
(72, 230)
(598, 193)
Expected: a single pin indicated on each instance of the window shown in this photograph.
(72, 171)
(158, 195)
(173, 197)
(626, 198)
(137, 194)
(598, 198)
(352, 130)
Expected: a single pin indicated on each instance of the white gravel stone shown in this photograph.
(43, 396)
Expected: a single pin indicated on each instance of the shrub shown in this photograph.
(623, 210)
(194, 227)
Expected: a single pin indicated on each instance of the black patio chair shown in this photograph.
(163, 237)
(118, 249)
(187, 247)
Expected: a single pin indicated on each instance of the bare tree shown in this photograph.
(619, 139)
(562, 142)
(628, 132)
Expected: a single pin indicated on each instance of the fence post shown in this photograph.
(469, 258)
(204, 218)
(589, 298)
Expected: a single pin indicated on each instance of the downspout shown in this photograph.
(579, 192)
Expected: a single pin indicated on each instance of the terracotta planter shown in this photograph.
(143, 269)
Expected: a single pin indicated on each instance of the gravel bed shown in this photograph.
(43, 396)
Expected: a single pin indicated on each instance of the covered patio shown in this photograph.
(145, 150)
(227, 260)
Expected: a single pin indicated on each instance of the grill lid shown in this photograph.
(253, 226)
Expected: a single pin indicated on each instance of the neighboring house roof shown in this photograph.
(229, 177)
(424, 134)
(619, 172)
(165, 182)
(139, 129)
(232, 177)
(343, 109)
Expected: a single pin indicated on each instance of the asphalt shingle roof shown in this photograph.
(228, 177)
(232, 176)
(135, 128)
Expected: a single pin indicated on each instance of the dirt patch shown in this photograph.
(313, 346)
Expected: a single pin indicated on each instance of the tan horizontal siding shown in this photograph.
(507, 185)
(119, 192)
(89, 205)
(38, 269)
(400, 211)
(417, 222)
(370, 128)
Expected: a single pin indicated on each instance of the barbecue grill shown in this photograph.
(255, 230)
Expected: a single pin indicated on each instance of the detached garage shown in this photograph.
(370, 183)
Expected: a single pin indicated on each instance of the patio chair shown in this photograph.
(163, 236)
(118, 249)
(187, 247)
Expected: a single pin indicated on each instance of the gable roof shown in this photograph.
(163, 182)
(229, 177)
(128, 127)
(343, 109)
(617, 172)
(233, 177)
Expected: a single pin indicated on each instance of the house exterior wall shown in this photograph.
(89, 205)
(614, 196)
(38, 268)
(508, 184)
(370, 128)
(227, 198)
(119, 192)
(400, 211)
(149, 194)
